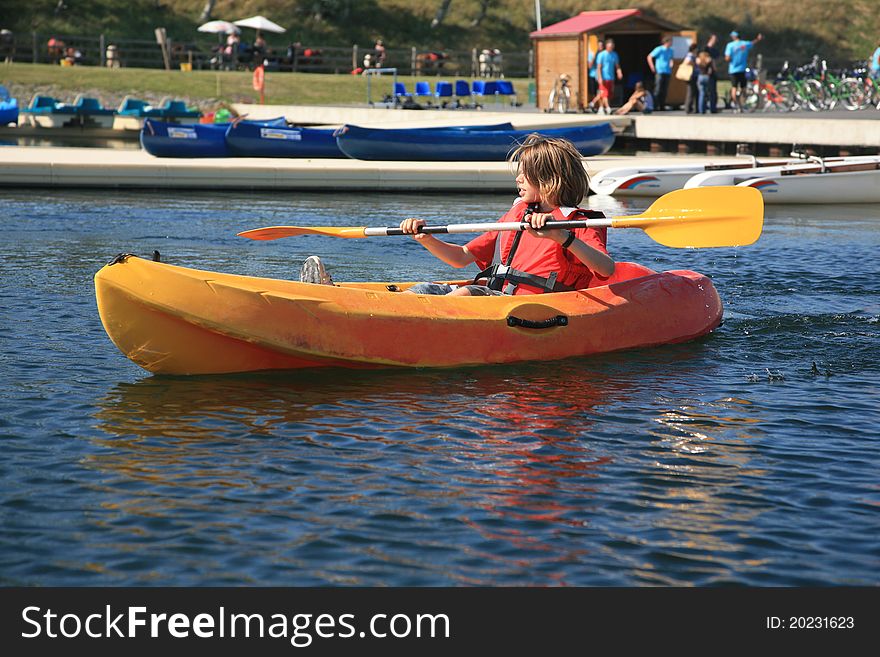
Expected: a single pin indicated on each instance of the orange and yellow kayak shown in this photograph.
(175, 320)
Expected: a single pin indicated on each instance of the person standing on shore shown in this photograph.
(737, 55)
(660, 63)
(608, 68)
(712, 48)
(705, 69)
(690, 103)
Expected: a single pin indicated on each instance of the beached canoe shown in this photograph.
(849, 183)
(177, 320)
(247, 139)
(470, 144)
(196, 140)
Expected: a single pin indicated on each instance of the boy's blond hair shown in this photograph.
(554, 166)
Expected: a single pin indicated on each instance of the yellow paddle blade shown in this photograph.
(277, 232)
(702, 216)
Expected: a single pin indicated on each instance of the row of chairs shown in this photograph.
(462, 89)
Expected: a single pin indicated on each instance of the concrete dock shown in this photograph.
(43, 167)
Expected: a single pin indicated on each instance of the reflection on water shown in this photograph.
(515, 461)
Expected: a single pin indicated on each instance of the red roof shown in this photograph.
(586, 21)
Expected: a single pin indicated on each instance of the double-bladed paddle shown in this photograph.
(685, 218)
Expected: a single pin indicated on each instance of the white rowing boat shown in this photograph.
(851, 183)
(656, 180)
(731, 177)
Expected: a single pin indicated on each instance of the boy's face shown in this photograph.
(528, 192)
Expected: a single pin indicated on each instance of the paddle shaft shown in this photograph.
(489, 227)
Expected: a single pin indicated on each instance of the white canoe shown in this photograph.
(730, 177)
(853, 183)
(658, 180)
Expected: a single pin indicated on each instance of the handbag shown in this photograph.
(685, 71)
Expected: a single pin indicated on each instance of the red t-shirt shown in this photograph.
(539, 256)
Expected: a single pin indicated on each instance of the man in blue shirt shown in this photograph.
(737, 55)
(608, 68)
(660, 63)
(592, 79)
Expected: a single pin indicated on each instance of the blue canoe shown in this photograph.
(471, 144)
(196, 140)
(249, 139)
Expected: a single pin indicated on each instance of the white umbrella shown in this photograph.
(220, 27)
(260, 23)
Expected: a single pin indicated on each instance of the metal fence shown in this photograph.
(207, 53)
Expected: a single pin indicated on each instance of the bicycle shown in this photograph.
(800, 88)
(868, 91)
(844, 90)
(560, 95)
(764, 95)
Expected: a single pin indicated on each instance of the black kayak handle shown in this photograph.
(559, 320)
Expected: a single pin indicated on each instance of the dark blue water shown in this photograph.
(731, 460)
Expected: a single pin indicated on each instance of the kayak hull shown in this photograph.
(246, 139)
(176, 320)
(162, 139)
(470, 144)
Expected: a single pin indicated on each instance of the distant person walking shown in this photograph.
(608, 67)
(737, 56)
(7, 45)
(592, 79)
(379, 50)
(660, 63)
(711, 47)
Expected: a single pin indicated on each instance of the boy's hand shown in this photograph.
(537, 221)
(411, 226)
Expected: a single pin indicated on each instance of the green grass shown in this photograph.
(835, 29)
(202, 88)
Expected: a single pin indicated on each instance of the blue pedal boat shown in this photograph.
(461, 144)
(9, 108)
(133, 111)
(48, 112)
(92, 114)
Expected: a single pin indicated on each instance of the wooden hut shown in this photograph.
(564, 48)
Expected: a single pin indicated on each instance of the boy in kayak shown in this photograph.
(551, 181)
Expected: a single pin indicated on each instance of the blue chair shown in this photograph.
(423, 89)
(400, 90)
(462, 89)
(479, 88)
(443, 89)
(505, 88)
